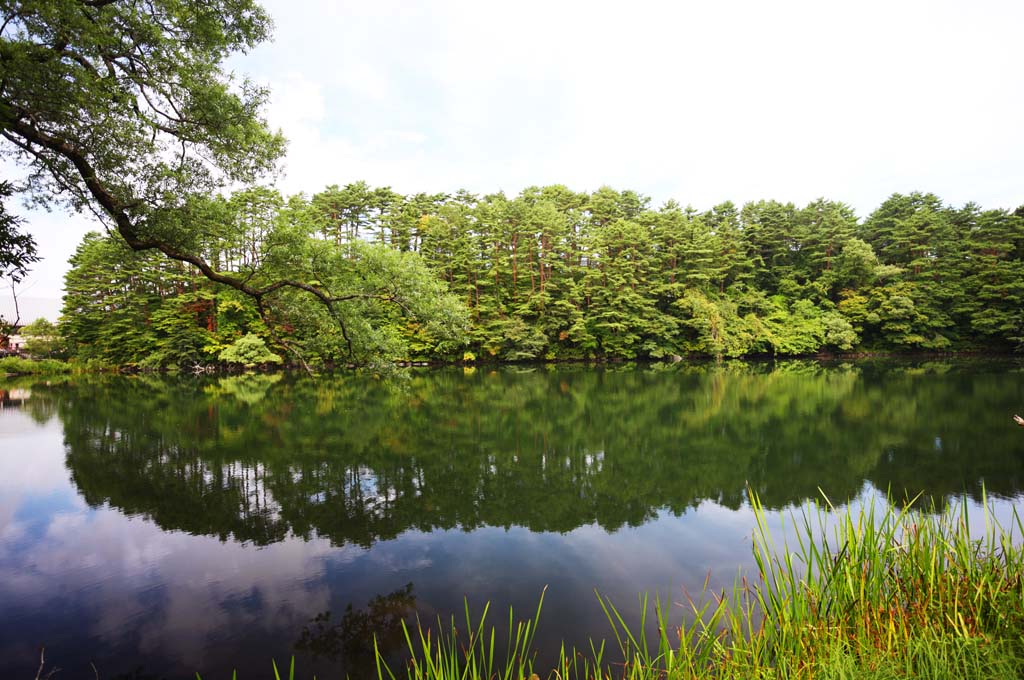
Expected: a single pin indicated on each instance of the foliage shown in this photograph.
(441, 655)
(19, 366)
(554, 274)
(894, 595)
(17, 250)
(42, 339)
(127, 110)
(249, 351)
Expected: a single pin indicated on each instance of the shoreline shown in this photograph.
(61, 367)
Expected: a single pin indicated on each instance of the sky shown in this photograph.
(696, 101)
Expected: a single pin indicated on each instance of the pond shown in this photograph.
(157, 526)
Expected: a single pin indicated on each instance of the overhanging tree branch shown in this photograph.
(125, 108)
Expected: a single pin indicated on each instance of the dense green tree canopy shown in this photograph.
(125, 109)
(555, 274)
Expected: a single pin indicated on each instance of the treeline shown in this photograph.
(557, 274)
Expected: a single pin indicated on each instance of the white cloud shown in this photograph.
(698, 101)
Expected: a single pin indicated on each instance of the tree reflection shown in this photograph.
(361, 460)
(351, 641)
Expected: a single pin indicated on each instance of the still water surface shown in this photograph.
(161, 526)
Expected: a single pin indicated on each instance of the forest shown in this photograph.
(129, 112)
(549, 274)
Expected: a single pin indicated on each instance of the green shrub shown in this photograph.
(249, 350)
(19, 366)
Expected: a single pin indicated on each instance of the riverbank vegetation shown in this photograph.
(20, 366)
(858, 593)
(880, 593)
(557, 274)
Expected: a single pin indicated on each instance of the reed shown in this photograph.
(20, 366)
(445, 656)
(864, 592)
(855, 593)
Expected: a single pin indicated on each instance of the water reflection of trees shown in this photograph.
(354, 639)
(360, 460)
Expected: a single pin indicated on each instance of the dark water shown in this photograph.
(158, 527)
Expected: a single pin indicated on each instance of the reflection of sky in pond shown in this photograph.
(94, 584)
(136, 594)
(129, 590)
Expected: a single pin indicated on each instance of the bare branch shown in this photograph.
(17, 312)
(8, 20)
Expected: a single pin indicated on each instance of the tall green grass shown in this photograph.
(19, 366)
(891, 593)
(856, 593)
(480, 656)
